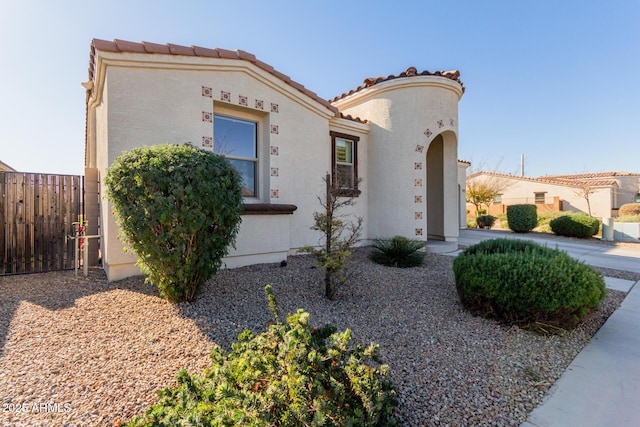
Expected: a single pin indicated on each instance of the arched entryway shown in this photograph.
(442, 189)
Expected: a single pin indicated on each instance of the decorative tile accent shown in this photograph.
(207, 117)
(275, 193)
(275, 172)
(452, 122)
(428, 133)
(259, 104)
(242, 100)
(274, 150)
(440, 123)
(207, 91)
(419, 148)
(274, 108)
(225, 96)
(418, 215)
(417, 199)
(418, 231)
(417, 183)
(274, 129)
(207, 141)
(417, 165)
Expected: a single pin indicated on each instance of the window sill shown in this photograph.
(268, 209)
(348, 193)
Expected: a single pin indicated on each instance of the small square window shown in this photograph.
(540, 197)
(497, 199)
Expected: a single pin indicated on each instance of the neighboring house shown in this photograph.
(5, 167)
(607, 191)
(392, 143)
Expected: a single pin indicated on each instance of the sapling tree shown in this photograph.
(339, 236)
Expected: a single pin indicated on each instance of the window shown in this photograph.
(539, 197)
(237, 140)
(638, 198)
(344, 153)
(497, 199)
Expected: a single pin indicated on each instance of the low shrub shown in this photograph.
(576, 225)
(520, 282)
(522, 218)
(290, 375)
(629, 209)
(398, 251)
(481, 211)
(471, 223)
(628, 218)
(544, 219)
(504, 223)
(486, 221)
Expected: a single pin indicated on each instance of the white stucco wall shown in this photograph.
(154, 99)
(405, 115)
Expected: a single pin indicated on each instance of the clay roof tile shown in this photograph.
(206, 52)
(127, 46)
(156, 48)
(176, 49)
(228, 54)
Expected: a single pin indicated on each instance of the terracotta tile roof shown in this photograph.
(172, 49)
(594, 175)
(353, 119)
(410, 72)
(551, 180)
(464, 161)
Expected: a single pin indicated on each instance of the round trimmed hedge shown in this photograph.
(522, 218)
(521, 282)
(576, 225)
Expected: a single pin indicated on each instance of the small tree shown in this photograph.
(339, 237)
(585, 190)
(178, 209)
(482, 190)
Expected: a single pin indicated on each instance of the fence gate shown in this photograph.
(36, 213)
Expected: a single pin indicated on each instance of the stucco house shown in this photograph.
(392, 143)
(607, 191)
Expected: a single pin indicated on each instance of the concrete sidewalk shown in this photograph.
(601, 387)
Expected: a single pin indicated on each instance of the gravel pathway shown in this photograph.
(80, 352)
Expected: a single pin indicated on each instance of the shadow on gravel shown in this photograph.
(57, 290)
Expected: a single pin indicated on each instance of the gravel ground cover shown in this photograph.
(94, 353)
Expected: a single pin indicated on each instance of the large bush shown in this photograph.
(398, 251)
(522, 218)
(576, 225)
(519, 281)
(290, 375)
(178, 209)
(629, 209)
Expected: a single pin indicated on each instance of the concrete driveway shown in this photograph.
(592, 253)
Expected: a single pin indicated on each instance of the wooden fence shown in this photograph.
(37, 211)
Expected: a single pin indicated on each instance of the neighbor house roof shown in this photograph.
(174, 49)
(5, 167)
(550, 180)
(594, 175)
(410, 72)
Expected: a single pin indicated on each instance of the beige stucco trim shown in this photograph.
(399, 83)
(348, 126)
(194, 63)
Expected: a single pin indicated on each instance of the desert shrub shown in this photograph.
(504, 224)
(544, 219)
(629, 209)
(482, 211)
(628, 218)
(519, 282)
(178, 209)
(486, 221)
(398, 251)
(522, 218)
(290, 375)
(575, 225)
(471, 223)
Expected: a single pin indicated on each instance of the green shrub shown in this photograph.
(398, 252)
(178, 209)
(519, 282)
(471, 223)
(504, 224)
(544, 219)
(629, 209)
(576, 225)
(482, 211)
(522, 218)
(628, 218)
(290, 375)
(486, 221)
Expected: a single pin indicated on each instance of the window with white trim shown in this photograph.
(540, 197)
(237, 140)
(344, 152)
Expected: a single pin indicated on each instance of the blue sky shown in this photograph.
(553, 80)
